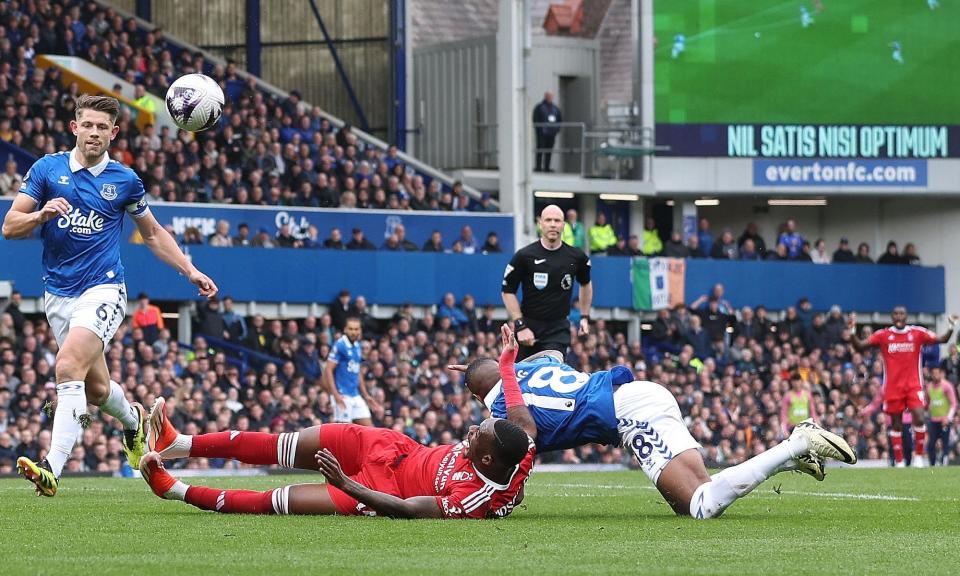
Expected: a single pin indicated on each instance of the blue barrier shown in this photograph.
(304, 276)
(376, 224)
(23, 158)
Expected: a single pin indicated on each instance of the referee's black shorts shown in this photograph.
(548, 335)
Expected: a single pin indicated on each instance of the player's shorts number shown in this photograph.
(642, 446)
(102, 312)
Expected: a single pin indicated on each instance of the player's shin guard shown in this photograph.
(919, 439)
(248, 447)
(71, 407)
(711, 499)
(896, 443)
(239, 501)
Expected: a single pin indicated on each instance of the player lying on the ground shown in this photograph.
(370, 471)
(572, 408)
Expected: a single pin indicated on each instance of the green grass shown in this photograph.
(600, 523)
(838, 71)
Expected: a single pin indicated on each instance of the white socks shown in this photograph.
(712, 498)
(71, 405)
(176, 492)
(179, 448)
(118, 407)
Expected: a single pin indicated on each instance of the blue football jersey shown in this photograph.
(82, 250)
(570, 408)
(348, 357)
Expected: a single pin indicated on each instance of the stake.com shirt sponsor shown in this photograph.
(82, 250)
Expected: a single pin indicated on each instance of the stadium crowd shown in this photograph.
(729, 369)
(266, 151)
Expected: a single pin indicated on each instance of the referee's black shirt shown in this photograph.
(547, 278)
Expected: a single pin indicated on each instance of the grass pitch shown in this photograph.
(856, 522)
(752, 61)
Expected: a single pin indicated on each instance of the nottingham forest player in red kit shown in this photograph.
(369, 471)
(901, 346)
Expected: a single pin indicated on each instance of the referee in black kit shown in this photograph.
(547, 269)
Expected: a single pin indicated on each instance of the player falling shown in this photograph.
(572, 408)
(79, 199)
(679, 45)
(369, 471)
(901, 346)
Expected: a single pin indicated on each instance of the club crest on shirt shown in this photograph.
(540, 280)
(109, 192)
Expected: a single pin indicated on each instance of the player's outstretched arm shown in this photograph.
(858, 344)
(21, 219)
(165, 248)
(945, 337)
(384, 504)
(517, 411)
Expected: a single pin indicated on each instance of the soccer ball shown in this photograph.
(195, 102)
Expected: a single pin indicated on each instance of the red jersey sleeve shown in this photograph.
(481, 499)
(876, 339)
(926, 336)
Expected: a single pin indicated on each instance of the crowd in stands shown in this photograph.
(729, 369)
(790, 245)
(265, 151)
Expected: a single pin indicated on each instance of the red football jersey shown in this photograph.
(901, 351)
(461, 490)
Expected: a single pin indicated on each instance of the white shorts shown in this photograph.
(100, 309)
(650, 425)
(356, 409)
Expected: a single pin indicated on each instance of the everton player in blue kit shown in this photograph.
(78, 199)
(344, 379)
(573, 408)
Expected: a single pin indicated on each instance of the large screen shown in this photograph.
(811, 78)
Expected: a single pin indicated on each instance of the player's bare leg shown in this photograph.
(363, 422)
(681, 478)
(310, 499)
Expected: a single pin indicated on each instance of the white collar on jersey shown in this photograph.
(491, 396)
(97, 169)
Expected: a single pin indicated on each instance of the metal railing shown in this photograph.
(613, 152)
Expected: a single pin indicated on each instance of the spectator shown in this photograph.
(835, 325)
(892, 255)
(819, 254)
(910, 255)
(725, 248)
(334, 241)
(748, 250)
(652, 245)
(243, 235)
(147, 318)
(674, 247)
(13, 309)
(573, 233)
(697, 338)
(748, 326)
(312, 239)
(790, 238)
(467, 240)
(10, 180)
(601, 235)
(546, 117)
(358, 242)
(485, 204)
(448, 309)
(434, 243)
(285, 239)
(263, 239)
(843, 254)
(468, 306)
(693, 247)
(704, 237)
(804, 255)
(221, 237)
(340, 309)
(779, 254)
(406, 245)
(210, 320)
(492, 244)
(717, 295)
(619, 249)
(235, 324)
(863, 254)
(143, 100)
(367, 322)
(751, 233)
